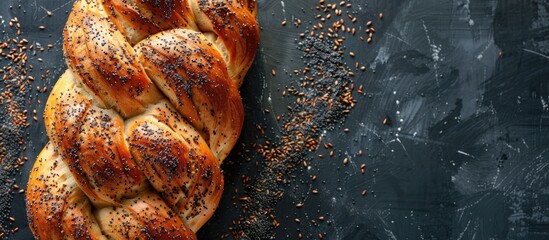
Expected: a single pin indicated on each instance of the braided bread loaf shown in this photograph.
(142, 119)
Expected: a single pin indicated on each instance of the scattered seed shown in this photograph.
(386, 121)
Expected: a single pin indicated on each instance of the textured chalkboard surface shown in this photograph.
(465, 84)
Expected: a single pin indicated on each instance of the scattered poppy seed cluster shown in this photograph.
(322, 95)
(16, 72)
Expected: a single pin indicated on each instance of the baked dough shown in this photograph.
(142, 119)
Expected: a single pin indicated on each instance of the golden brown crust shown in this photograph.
(197, 83)
(178, 163)
(141, 121)
(91, 141)
(236, 31)
(56, 207)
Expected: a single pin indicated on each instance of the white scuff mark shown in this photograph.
(372, 131)
(461, 211)
(283, 8)
(353, 163)
(540, 24)
(512, 148)
(544, 104)
(36, 9)
(309, 191)
(401, 144)
(435, 51)
(467, 8)
(481, 54)
(403, 147)
(464, 230)
(537, 53)
(507, 176)
(402, 40)
(55, 9)
(524, 142)
(540, 123)
(264, 86)
(381, 58)
(390, 234)
(466, 154)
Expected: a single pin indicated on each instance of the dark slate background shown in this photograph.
(465, 84)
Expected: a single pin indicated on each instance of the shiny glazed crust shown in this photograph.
(142, 119)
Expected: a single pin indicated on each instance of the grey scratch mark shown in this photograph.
(283, 8)
(460, 211)
(536, 53)
(353, 163)
(404, 136)
(401, 144)
(512, 148)
(56, 9)
(544, 104)
(464, 230)
(468, 12)
(475, 230)
(370, 130)
(35, 5)
(540, 123)
(524, 142)
(402, 40)
(474, 234)
(515, 169)
(466, 154)
(419, 138)
(308, 192)
(389, 233)
(337, 231)
(381, 58)
(434, 53)
(481, 54)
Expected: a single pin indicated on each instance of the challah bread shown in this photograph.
(142, 119)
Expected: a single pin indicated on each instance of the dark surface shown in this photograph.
(466, 85)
